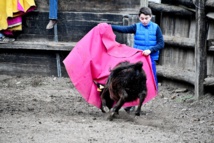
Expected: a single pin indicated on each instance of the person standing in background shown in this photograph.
(53, 8)
(11, 13)
(147, 36)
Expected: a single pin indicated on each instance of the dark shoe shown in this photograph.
(51, 24)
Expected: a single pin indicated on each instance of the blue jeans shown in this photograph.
(1, 35)
(154, 71)
(53, 8)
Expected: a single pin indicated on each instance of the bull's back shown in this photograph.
(128, 77)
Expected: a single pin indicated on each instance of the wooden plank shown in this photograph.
(175, 74)
(210, 34)
(210, 43)
(181, 75)
(210, 3)
(177, 26)
(17, 62)
(30, 62)
(211, 48)
(181, 27)
(30, 45)
(210, 64)
(200, 48)
(190, 9)
(26, 69)
(175, 10)
(185, 42)
(167, 24)
(25, 58)
(210, 15)
(209, 81)
(187, 3)
(179, 41)
(178, 57)
(192, 28)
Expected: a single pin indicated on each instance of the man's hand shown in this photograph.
(146, 52)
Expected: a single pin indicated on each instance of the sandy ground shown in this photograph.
(49, 110)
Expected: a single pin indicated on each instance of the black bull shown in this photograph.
(126, 82)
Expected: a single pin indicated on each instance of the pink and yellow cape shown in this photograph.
(11, 12)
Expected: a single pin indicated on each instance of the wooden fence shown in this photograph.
(177, 19)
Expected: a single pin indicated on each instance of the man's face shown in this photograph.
(145, 19)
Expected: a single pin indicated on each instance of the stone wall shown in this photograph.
(92, 5)
(76, 18)
(72, 26)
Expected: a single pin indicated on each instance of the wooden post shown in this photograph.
(200, 48)
(58, 65)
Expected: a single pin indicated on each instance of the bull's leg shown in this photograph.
(119, 104)
(142, 97)
(104, 99)
(103, 105)
(116, 109)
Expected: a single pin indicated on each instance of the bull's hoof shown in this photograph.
(137, 114)
(111, 116)
(104, 109)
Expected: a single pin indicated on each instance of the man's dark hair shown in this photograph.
(145, 11)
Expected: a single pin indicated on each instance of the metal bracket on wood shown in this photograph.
(58, 65)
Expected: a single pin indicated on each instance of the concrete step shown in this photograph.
(44, 45)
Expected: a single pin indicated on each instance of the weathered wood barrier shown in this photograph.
(178, 23)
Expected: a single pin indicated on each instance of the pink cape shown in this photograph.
(92, 58)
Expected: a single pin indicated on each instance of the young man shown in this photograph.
(147, 36)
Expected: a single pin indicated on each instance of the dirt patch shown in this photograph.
(50, 110)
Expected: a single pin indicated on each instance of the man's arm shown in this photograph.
(124, 29)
